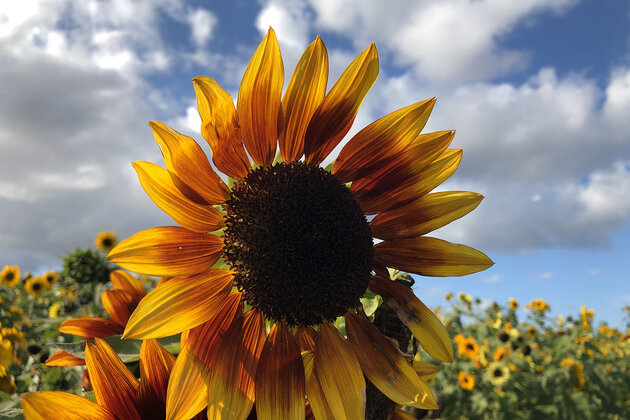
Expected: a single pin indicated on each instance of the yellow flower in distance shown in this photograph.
(468, 347)
(466, 381)
(50, 278)
(539, 305)
(294, 240)
(6, 355)
(105, 240)
(513, 303)
(10, 275)
(35, 286)
(497, 373)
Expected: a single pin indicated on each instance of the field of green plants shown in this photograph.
(506, 365)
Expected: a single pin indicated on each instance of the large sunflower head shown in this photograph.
(10, 275)
(288, 241)
(35, 286)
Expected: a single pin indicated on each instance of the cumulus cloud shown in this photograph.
(202, 23)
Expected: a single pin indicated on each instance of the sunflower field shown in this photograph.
(505, 365)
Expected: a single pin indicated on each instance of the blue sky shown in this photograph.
(538, 90)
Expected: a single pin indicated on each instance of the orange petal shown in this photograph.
(232, 374)
(304, 94)
(334, 117)
(63, 358)
(219, 126)
(121, 280)
(155, 368)
(187, 392)
(393, 196)
(431, 257)
(424, 215)
(422, 322)
(280, 377)
(380, 141)
(159, 186)
(339, 375)
(90, 327)
(179, 304)
(385, 366)
(118, 305)
(190, 170)
(259, 100)
(305, 337)
(114, 386)
(48, 405)
(168, 251)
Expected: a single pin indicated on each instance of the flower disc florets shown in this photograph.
(299, 243)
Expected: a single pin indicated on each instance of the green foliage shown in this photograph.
(85, 266)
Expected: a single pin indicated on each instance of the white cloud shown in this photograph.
(495, 278)
(202, 23)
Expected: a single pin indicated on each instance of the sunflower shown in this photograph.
(513, 303)
(466, 381)
(50, 278)
(105, 241)
(500, 354)
(13, 335)
(289, 242)
(35, 286)
(10, 275)
(497, 373)
(117, 391)
(6, 355)
(119, 303)
(539, 305)
(468, 347)
(7, 385)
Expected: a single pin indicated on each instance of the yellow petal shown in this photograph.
(91, 327)
(306, 337)
(48, 405)
(63, 358)
(385, 366)
(118, 305)
(168, 251)
(219, 126)
(304, 94)
(190, 170)
(422, 322)
(308, 359)
(179, 304)
(114, 386)
(280, 377)
(160, 187)
(121, 280)
(399, 414)
(187, 392)
(339, 375)
(317, 400)
(431, 257)
(380, 141)
(424, 215)
(334, 117)
(425, 370)
(259, 100)
(232, 375)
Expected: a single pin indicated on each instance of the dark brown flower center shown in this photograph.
(107, 242)
(299, 242)
(9, 276)
(36, 287)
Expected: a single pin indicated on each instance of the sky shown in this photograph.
(538, 91)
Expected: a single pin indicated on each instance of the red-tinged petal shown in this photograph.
(190, 170)
(339, 374)
(155, 368)
(121, 280)
(431, 257)
(168, 251)
(49, 405)
(187, 392)
(220, 127)
(422, 322)
(259, 100)
(114, 386)
(423, 150)
(179, 304)
(385, 366)
(280, 377)
(232, 374)
(306, 337)
(159, 186)
(304, 94)
(63, 358)
(424, 215)
(334, 117)
(380, 141)
(410, 189)
(91, 327)
(118, 305)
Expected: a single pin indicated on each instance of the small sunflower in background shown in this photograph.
(35, 286)
(467, 347)
(106, 240)
(10, 275)
(497, 373)
(466, 381)
(6, 355)
(53, 310)
(513, 303)
(50, 278)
